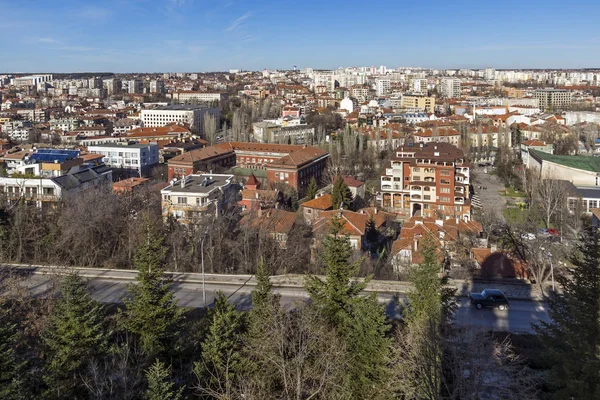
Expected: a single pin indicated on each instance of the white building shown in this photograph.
(382, 86)
(193, 115)
(450, 88)
(135, 86)
(138, 158)
(190, 96)
(157, 86)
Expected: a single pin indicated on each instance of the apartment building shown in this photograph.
(157, 86)
(130, 158)
(382, 86)
(427, 179)
(135, 86)
(193, 115)
(47, 191)
(550, 98)
(191, 96)
(193, 197)
(420, 102)
(450, 88)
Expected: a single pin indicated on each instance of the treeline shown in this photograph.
(338, 345)
(98, 228)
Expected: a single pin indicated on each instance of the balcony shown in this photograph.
(459, 200)
(415, 197)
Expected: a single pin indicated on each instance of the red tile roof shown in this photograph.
(320, 203)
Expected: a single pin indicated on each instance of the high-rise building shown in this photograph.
(157, 86)
(550, 98)
(417, 101)
(187, 114)
(382, 86)
(450, 88)
(113, 86)
(135, 86)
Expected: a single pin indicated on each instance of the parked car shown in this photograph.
(489, 298)
(543, 232)
(528, 236)
(553, 232)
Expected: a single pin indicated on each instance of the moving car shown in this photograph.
(489, 298)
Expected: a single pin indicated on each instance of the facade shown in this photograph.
(269, 132)
(450, 88)
(382, 86)
(536, 145)
(190, 96)
(137, 159)
(579, 170)
(193, 115)
(135, 86)
(311, 210)
(43, 192)
(418, 102)
(427, 179)
(290, 164)
(193, 197)
(552, 98)
(157, 86)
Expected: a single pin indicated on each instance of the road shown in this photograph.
(518, 318)
(490, 197)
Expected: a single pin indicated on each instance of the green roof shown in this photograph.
(239, 171)
(586, 163)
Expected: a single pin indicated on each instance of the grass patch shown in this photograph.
(515, 216)
(510, 192)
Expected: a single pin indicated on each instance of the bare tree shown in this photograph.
(210, 128)
(550, 197)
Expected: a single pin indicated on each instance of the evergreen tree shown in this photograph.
(262, 296)
(311, 190)
(341, 194)
(371, 230)
(359, 320)
(221, 350)
(160, 387)
(76, 336)
(151, 309)
(572, 338)
(11, 384)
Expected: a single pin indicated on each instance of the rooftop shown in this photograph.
(122, 145)
(591, 164)
(181, 107)
(199, 184)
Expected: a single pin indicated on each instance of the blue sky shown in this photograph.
(209, 35)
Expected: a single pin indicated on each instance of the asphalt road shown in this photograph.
(518, 318)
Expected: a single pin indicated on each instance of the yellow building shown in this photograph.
(412, 101)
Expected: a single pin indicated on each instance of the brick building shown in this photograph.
(290, 164)
(428, 179)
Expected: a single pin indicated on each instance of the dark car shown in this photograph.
(489, 298)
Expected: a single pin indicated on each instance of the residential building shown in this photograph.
(446, 135)
(135, 86)
(113, 86)
(43, 192)
(550, 98)
(128, 158)
(185, 97)
(450, 88)
(427, 179)
(254, 198)
(193, 197)
(311, 209)
(277, 223)
(192, 115)
(382, 86)
(282, 131)
(157, 86)
(129, 185)
(418, 102)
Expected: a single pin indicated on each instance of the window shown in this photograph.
(182, 200)
(444, 181)
(445, 172)
(416, 169)
(426, 197)
(444, 199)
(416, 178)
(444, 190)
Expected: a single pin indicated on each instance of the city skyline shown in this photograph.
(191, 35)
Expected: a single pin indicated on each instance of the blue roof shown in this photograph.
(54, 155)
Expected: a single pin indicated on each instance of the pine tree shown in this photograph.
(221, 350)
(151, 309)
(572, 339)
(311, 190)
(371, 230)
(359, 320)
(341, 194)
(160, 387)
(262, 296)
(11, 384)
(76, 335)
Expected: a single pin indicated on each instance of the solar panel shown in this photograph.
(54, 155)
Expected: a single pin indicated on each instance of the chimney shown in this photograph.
(439, 222)
(375, 210)
(183, 181)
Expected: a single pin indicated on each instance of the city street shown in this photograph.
(518, 318)
(490, 198)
